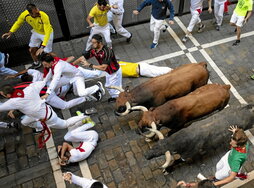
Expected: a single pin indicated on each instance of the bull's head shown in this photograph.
(123, 101)
(156, 151)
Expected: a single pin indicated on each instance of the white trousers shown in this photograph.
(117, 21)
(57, 102)
(155, 27)
(80, 89)
(114, 79)
(84, 182)
(218, 11)
(222, 168)
(36, 40)
(4, 70)
(103, 30)
(194, 19)
(53, 122)
(88, 74)
(148, 70)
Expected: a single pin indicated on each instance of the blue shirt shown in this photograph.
(1, 56)
(159, 9)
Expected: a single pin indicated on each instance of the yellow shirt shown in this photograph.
(40, 24)
(129, 69)
(100, 17)
(243, 6)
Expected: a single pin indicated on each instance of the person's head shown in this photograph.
(47, 60)
(97, 184)
(33, 10)
(102, 4)
(239, 138)
(7, 91)
(206, 184)
(26, 78)
(96, 41)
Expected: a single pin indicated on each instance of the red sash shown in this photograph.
(41, 140)
(79, 148)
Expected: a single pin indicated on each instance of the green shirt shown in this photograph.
(236, 159)
(243, 6)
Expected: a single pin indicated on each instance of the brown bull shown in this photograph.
(176, 113)
(158, 90)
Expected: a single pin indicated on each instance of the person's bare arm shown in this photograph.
(228, 179)
(88, 19)
(79, 60)
(247, 16)
(65, 147)
(16, 75)
(210, 10)
(70, 59)
(102, 67)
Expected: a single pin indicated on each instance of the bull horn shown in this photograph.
(127, 111)
(144, 109)
(152, 133)
(168, 160)
(117, 88)
(159, 134)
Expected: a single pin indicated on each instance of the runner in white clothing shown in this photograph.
(196, 9)
(28, 102)
(83, 182)
(219, 6)
(88, 141)
(116, 15)
(62, 73)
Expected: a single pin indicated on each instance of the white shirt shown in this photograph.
(196, 4)
(37, 75)
(31, 104)
(62, 69)
(84, 182)
(77, 155)
(119, 3)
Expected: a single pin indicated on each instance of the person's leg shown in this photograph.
(34, 45)
(31, 122)
(105, 31)
(239, 24)
(94, 30)
(3, 124)
(194, 20)
(77, 135)
(216, 11)
(157, 28)
(79, 86)
(88, 74)
(152, 23)
(149, 70)
(110, 19)
(114, 80)
(48, 48)
(57, 102)
(117, 20)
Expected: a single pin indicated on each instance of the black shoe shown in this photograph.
(6, 59)
(201, 27)
(164, 30)
(101, 88)
(218, 28)
(97, 95)
(129, 39)
(35, 65)
(111, 99)
(236, 43)
(235, 30)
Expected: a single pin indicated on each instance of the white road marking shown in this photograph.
(211, 62)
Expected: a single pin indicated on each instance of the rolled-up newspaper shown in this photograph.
(201, 177)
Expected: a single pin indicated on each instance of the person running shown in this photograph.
(116, 15)
(42, 33)
(240, 17)
(100, 25)
(196, 7)
(158, 15)
(219, 7)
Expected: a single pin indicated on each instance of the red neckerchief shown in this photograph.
(79, 148)
(241, 150)
(46, 70)
(18, 93)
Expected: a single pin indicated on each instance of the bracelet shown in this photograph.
(91, 65)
